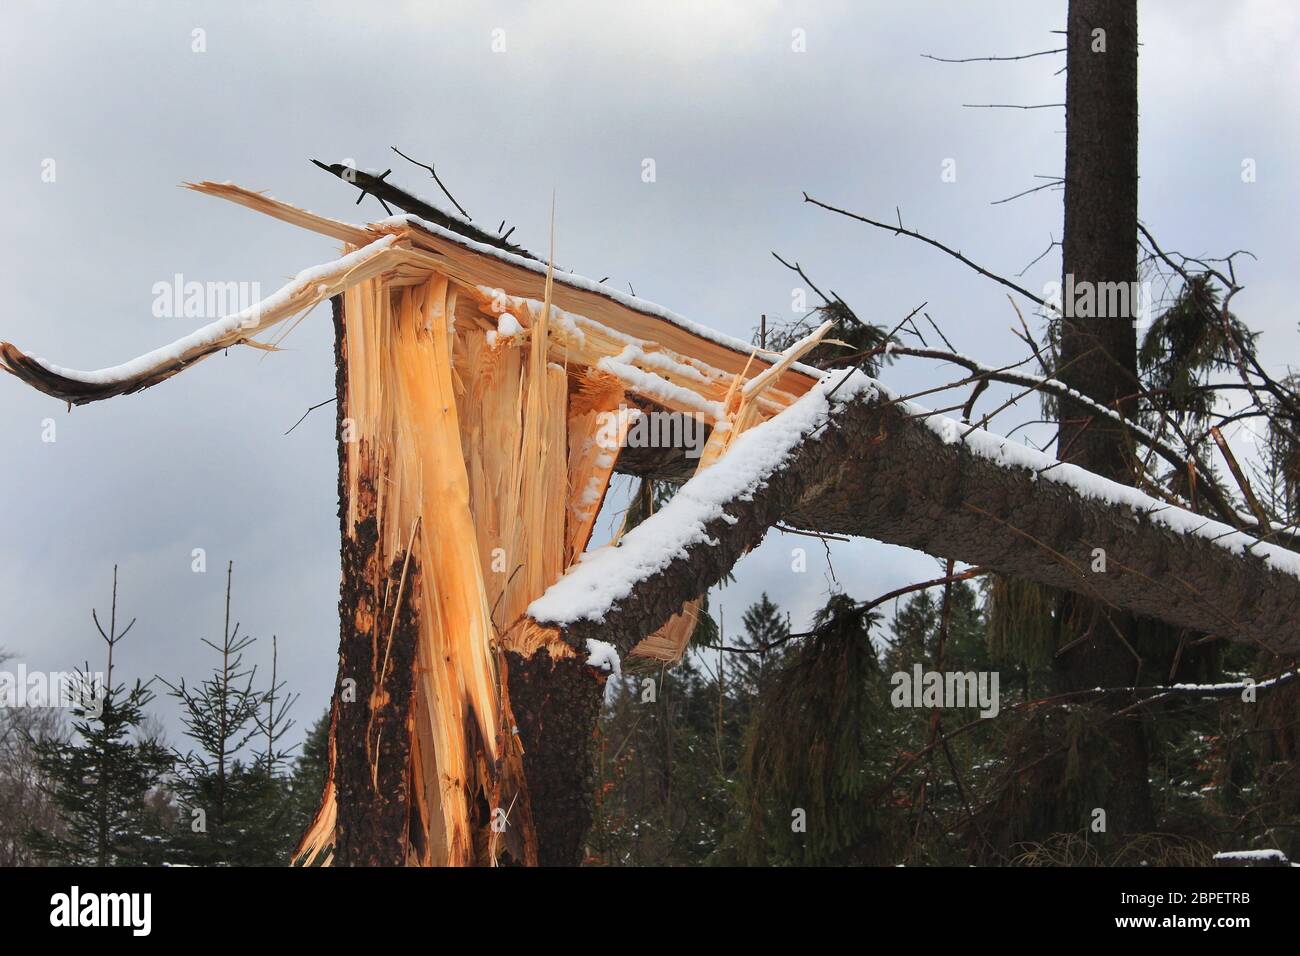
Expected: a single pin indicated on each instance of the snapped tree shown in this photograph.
(485, 399)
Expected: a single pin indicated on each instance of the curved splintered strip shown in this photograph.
(304, 291)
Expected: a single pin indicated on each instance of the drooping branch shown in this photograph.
(307, 289)
(1246, 361)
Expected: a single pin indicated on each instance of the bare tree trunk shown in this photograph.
(1098, 351)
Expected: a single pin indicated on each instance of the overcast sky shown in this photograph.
(738, 123)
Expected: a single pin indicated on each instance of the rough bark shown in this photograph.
(1099, 353)
(1099, 241)
(879, 472)
(373, 695)
(556, 703)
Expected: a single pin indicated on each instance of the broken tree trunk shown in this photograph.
(417, 698)
(478, 434)
(483, 404)
(882, 468)
(373, 825)
(556, 701)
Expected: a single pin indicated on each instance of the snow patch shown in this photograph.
(603, 655)
(575, 281)
(508, 326)
(1012, 454)
(659, 388)
(1275, 855)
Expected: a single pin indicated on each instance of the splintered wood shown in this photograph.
(741, 411)
(484, 405)
(407, 497)
(475, 463)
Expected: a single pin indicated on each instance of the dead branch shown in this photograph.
(901, 231)
(1052, 386)
(434, 173)
(386, 192)
(1013, 106)
(1026, 192)
(309, 411)
(992, 59)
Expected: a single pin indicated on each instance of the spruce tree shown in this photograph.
(817, 748)
(763, 643)
(234, 810)
(914, 625)
(100, 779)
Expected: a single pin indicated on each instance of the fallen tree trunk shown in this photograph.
(883, 469)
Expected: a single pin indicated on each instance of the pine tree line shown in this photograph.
(765, 747)
(106, 790)
(773, 748)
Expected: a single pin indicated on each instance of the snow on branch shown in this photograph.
(880, 466)
(304, 291)
(610, 574)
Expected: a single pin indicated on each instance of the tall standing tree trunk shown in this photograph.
(1098, 348)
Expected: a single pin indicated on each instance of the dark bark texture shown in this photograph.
(879, 472)
(1099, 241)
(1099, 352)
(556, 703)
